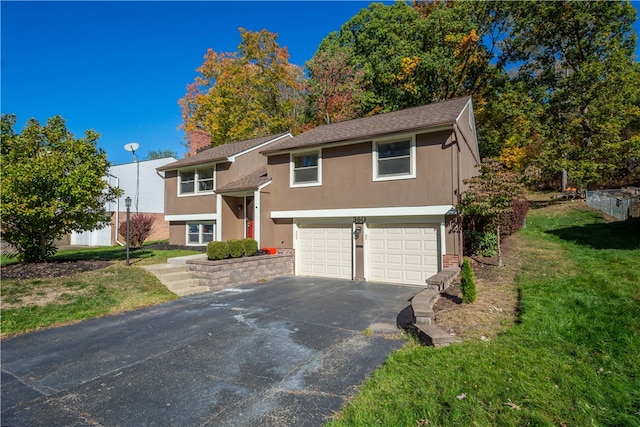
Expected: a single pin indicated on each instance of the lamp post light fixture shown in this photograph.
(127, 203)
(132, 147)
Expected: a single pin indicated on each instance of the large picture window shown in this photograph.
(200, 233)
(394, 159)
(306, 169)
(196, 181)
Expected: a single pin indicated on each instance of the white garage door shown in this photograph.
(101, 237)
(324, 251)
(406, 254)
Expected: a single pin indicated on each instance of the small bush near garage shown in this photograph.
(467, 282)
(481, 243)
(250, 246)
(217, 250)
(236, 248)
(140, 228)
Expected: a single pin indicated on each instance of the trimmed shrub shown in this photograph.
(217, 250)
(250, 246)
(513, 220)
(467, 282)
(140, 227)
(236, 248)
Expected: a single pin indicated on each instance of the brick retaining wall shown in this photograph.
(239, 271)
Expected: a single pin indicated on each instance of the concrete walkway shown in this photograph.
(289, 352)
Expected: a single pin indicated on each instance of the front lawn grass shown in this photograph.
(573, 358)
(36, 303)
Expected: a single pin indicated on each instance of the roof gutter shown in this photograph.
(358, 140)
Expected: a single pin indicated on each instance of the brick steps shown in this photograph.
(422, 304)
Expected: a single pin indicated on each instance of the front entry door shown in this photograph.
(249, 209)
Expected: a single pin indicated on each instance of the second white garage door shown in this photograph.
(401, 253)
(324, 250)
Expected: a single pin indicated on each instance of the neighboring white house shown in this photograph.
(145, 186)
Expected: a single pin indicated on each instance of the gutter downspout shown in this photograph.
(459, 136)
(117, 211)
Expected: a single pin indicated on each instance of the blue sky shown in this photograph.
(120, 67)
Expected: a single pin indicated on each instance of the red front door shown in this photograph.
(249, 214)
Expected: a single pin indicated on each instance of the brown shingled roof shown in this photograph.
(220, 153)
(416, 118)
(248, 182)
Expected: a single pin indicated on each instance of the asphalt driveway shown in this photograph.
(289, 352)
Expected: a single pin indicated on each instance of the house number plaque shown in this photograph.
(359, 219)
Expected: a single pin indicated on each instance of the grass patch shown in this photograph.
(32, 304)
(572, 359)
(138, 256)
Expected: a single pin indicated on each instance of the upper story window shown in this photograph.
(196, 181)
(394, 159)
(306, 169)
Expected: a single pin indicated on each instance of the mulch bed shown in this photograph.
(168, 247)
(48, 270)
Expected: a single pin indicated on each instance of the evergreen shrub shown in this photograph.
(467, 282)
(250, 246)
(217, 250)
(236, 248)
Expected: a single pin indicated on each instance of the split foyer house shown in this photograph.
(370, 198)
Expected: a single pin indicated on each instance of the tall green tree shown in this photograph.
(415, 55)
(576, 60)
(249, 93)
(160, 154)
(51, 184)
(334, 88)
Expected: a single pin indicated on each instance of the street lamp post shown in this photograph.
(132, 147)
(127, 203)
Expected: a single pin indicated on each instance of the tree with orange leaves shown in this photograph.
(246, 94)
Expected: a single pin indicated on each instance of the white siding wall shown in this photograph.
(151, 194)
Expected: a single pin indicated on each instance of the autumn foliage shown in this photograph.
(489, 200)
(241, 95)
(140, 228)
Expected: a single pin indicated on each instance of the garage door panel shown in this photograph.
(413, 260)
(413, 245)
(402, 253)
(324, 251)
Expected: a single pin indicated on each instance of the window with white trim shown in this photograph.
(196, 181)
(200, 233)
(306, 169)
(394, 159)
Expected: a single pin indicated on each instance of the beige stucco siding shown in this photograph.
(468, 146)
(347, 179)
(232, 218)
(185, 205)
(177, 232)
(242, 166)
